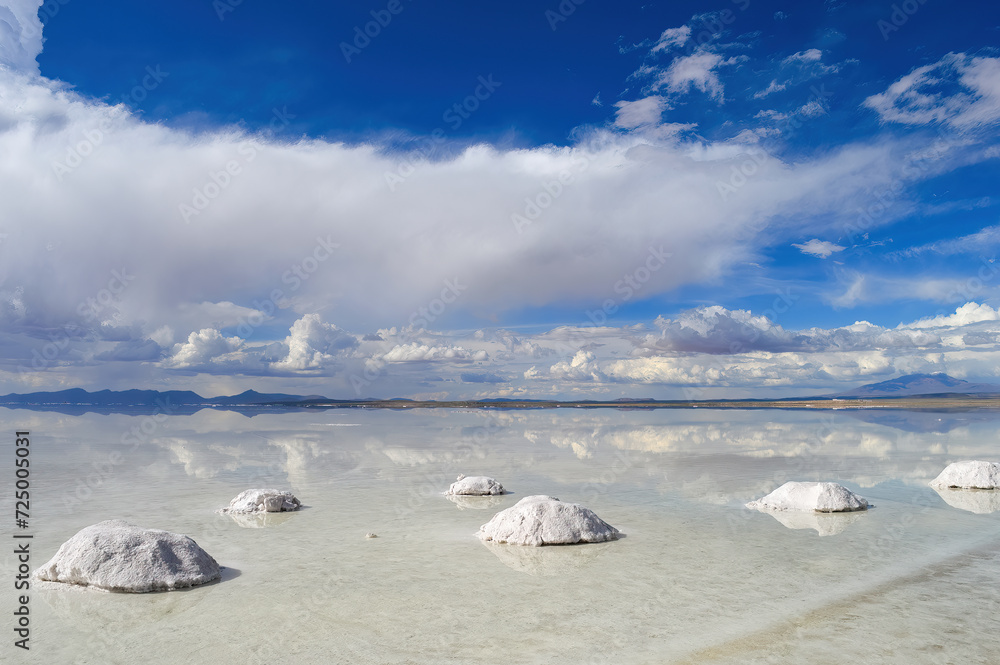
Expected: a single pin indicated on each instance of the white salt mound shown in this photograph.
(263, 501)
(970, 475)
(117, 556)
(820, 497)
(475, 486)
(544, 520)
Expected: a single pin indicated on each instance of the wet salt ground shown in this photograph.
(698, 578)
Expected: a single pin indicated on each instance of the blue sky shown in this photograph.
(574, 200)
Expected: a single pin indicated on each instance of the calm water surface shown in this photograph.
(698, 579)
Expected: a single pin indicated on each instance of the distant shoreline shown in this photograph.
(962, 402)
(167, 406)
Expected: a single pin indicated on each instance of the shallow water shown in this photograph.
(698, 579)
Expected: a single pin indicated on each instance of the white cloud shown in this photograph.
(968, 313)
(697, 70)
(974, 243)
(646, 111)
(582, 367)
(414, 352)
(811, 109)
(885, 288)
(195, 316)
(719, 331)
(809, 55)
(202, 348)
(20, 35)
(773, 87)
(397, 248)
(958, 90)
(820, 248)
(312, 344)
(672, 37)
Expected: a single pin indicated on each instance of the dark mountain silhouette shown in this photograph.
(921, 384)
(254, 397)
(80, 396)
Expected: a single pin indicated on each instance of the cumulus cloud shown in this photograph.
(582, 367)
(820, 248)
(312, 344)
(20, 35)
(719, 331)
(415, 352)
(959, 90)
(203, 347)
(970, 312)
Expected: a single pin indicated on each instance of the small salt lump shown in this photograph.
(544, 520)
(475, 486)
(263, 501)
(819, 497)
(117, 556)
(970, 475)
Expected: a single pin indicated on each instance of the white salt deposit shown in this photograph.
(819, 497)
(475, 486)
(117, 556)
(263, 501)
(544, 520)
(970, 475)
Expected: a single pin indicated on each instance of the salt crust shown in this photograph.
(544, 520)
(117, 556)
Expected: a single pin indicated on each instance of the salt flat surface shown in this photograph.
(698, 579)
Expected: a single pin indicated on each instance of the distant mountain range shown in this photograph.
(79, 396)
(921, 384)
(77, 400)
